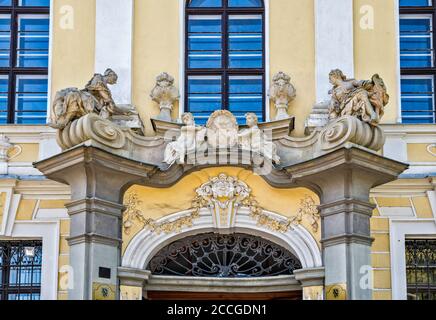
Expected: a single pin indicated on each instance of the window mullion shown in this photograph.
(225, 59)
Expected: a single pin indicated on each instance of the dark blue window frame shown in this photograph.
(221, 75)
(23, 107)
(417, 76)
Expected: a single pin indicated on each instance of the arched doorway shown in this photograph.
(224, 262)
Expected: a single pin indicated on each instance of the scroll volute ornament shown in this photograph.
(165, 94)
(282, 92)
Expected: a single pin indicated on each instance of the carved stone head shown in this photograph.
(251, 119)
(111, 76)
(165, 80)
(188, 119)
(281, 79)
(336, 76)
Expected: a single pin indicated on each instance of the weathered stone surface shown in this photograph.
(165, 94)
(282, 92)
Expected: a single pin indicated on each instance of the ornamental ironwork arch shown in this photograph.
(223, 256)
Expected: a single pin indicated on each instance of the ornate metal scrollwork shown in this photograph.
(224, 256)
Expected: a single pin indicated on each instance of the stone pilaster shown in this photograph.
(312, 281)
(97, 180)
(343, 179)
(132, 283)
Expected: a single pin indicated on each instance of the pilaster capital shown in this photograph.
(310, 277)
(133, 277)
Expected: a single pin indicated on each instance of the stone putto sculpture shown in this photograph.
(165, 94)
(254, 139)
(190, 137)
(282, 92)
(221, 132)
(364, 100)
(72, 103)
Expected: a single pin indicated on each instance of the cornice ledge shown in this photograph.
(348, 156)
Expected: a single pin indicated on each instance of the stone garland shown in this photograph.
(307, 208)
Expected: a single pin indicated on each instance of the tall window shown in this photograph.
(417, 38)
(225, 60)
(24, 43)
(20, 270)
(421, 269)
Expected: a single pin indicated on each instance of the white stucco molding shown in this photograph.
(114, 44)
(48, 232)
(146, 243)
(334, 42)
(399, 231)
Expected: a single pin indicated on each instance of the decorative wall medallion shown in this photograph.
(223, 195)
(222, 130)
(432, 149)
(102, 291)
(336, 292)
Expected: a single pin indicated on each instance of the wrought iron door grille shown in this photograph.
(20, 270)
(421, 269)
(224, 256)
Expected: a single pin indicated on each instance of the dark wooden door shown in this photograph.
(162, 295)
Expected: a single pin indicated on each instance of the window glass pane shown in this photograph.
(34, 3)
(6, 3)
(31, 101)
(204, 42)
(245, 42)
(416, 42)
(245, 3)
(246, 95)
(421, 269)
(21, 261)
(205, 3)
(415, 3)
(5, 40)
(4, 85)
(204, 96)
(33, 39)
(417, 99)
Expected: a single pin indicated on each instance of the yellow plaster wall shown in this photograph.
(29, 153)
(73, 52)
(380, 226)
(156, 203)
(52, 204)
(380, 257)
(375, 50)
(292, 50)
(64, 251)
(418, 152)
(155, 49)
(26, 209)
(2, 206)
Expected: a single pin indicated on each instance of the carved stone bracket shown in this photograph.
(351, 129)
